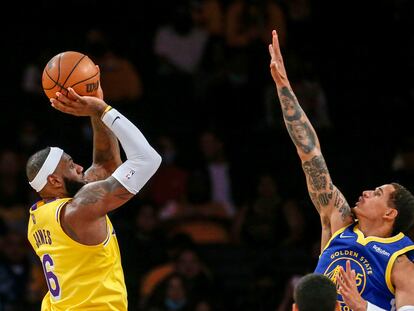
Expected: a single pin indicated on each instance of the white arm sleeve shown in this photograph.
(372, 307)
(142, 160)
(406, 308)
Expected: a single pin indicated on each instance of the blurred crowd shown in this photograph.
(226, 222)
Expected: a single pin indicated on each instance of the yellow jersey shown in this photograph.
(79, 277)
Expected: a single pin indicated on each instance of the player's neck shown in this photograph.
(379, 230)
(48, 195)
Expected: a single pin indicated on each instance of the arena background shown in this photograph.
(206, 100)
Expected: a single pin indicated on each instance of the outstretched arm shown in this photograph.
(333, 209)
(106, 154)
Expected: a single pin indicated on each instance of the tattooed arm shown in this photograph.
(83, 218)
(106, 154)
(333, 209)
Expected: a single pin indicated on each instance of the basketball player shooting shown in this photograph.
(69, 228)
(370, 235)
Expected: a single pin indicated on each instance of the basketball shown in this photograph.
(70, 69)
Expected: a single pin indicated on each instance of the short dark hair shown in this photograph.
(35, 162)
(315, 292)
(403, 201)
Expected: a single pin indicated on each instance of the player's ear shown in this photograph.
(391, 214)
(55, 180)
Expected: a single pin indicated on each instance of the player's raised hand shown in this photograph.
(277, 67)
(79, 106)
(348, 288)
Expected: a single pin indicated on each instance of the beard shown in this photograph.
(73, 186)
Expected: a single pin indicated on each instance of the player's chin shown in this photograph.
(355, 212)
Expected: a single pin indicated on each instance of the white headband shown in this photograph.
(47, 168)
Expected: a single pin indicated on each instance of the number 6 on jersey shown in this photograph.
(51, 278)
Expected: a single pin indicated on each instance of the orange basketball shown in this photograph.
(70, 69)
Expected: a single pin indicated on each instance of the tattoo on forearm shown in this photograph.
(298, 128)
(302, 135)
(105, 142)
(290, 106)
(320, 186)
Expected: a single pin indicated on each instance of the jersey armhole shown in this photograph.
(59, 209)
(390, 265)
(334, 235)
(103, 243)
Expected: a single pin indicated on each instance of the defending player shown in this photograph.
(370, 235)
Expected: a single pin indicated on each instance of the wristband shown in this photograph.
(105, 111)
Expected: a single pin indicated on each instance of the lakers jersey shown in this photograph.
(79, 277)
(372, 259)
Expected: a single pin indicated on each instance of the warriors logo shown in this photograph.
(332, 272)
